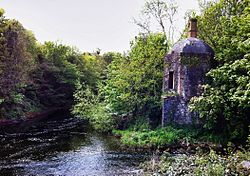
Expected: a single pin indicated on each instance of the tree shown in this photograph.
(224, 25)
(65, 58)
(225, 101)
(163, 12)
(134, 83)
(54, 78)
(16, 62)
(224, 105)
(88, 97)
(94, 70)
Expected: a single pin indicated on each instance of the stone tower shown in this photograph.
(185, 68)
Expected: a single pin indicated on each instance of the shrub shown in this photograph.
(224, 105)
(210, 164)
(88, 106)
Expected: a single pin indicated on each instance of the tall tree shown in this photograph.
(134, 83)
(225, 102)
(163, 13)
(89, 98)
(16, 62)
(225, 26)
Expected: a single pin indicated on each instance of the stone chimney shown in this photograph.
(192, 28)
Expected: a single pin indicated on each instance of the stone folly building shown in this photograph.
(185, 68)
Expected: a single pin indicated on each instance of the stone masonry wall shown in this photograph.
(189, 73)
(175, 109)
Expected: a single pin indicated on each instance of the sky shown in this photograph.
(85, 24)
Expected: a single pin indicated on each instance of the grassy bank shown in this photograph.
(182, 151)
(165, 136)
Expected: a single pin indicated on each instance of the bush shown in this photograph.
(100, 119)
(88, 106)
(224, 105)
(210, 164)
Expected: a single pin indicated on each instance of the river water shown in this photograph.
(65, 147)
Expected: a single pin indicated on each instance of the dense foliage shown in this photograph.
(224, 25)
(89, 99)
(224, 105)
(16, 63)
(209, 164)
(134, 83)
(38, 77)
(57, 69)
(226, 100)
(129, 87)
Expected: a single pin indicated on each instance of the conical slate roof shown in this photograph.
(192, 45)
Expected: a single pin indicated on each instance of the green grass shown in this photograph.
(141, 136)
(155, 138)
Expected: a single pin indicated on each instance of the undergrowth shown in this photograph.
(140, 135)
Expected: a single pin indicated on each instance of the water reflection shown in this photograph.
(65, 148)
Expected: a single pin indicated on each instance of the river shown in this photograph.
(65, 147)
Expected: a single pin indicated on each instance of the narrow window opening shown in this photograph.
(171, 80)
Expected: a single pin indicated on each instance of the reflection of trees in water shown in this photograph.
(42, 139)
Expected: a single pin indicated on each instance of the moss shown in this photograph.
(190, 60)
(169, 94)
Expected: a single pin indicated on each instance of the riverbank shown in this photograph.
(199, 164)
(17, 125)
(171, 136)
(186, 151)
